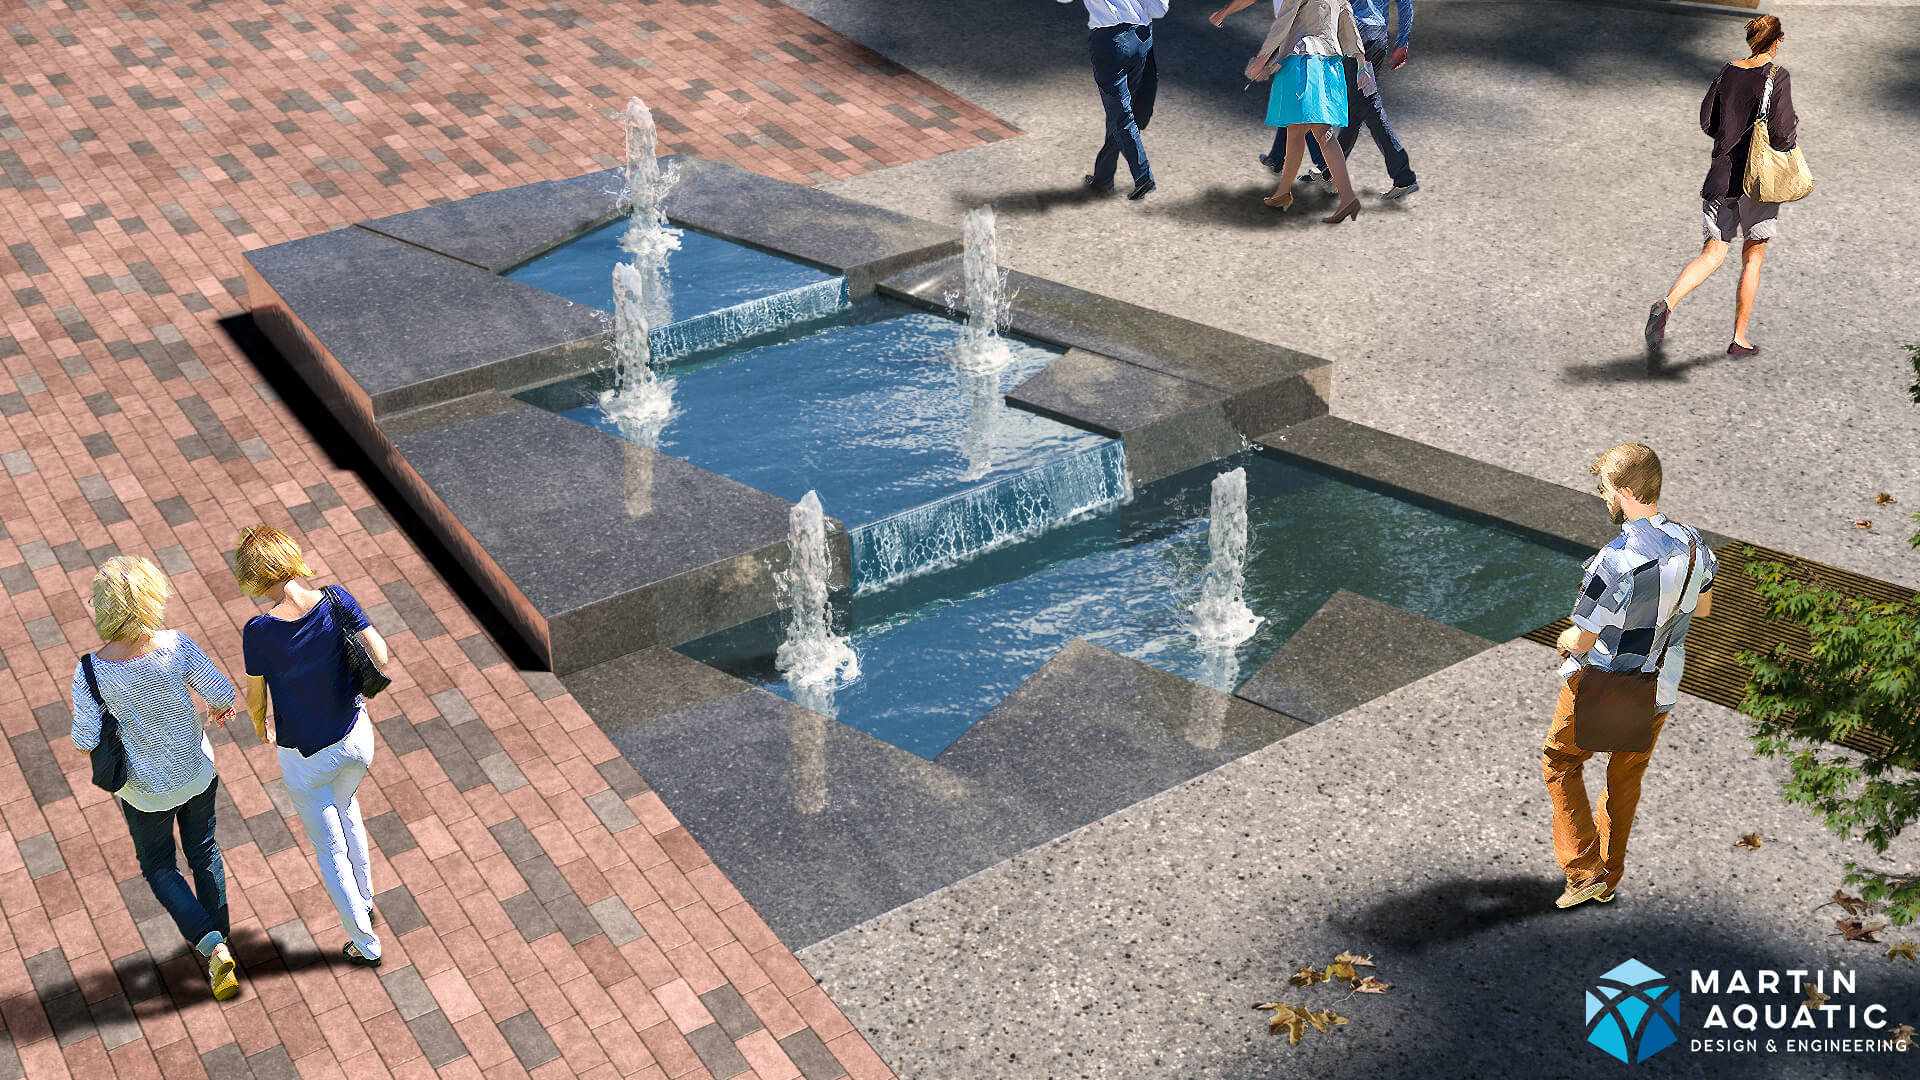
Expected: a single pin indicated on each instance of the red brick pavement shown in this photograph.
(544, 913)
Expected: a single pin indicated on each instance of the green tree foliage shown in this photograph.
(1863, 673)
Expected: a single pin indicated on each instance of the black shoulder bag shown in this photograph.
(368, 679)
(110, 757)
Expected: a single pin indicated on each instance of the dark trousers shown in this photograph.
(1124, 70)
(202, 909)
(1361, 109)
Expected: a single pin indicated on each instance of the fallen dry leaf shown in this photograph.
(1751, 842)
(1858, 930)
(1853, 904)
(1371, 985)
(1342, 971)
(1862, 523)
(1307, 976)
(1902, 1036)
(1905, 950)
(1885, 499)
(1814, 997)
(1356, 961)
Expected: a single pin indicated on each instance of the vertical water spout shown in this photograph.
(1217, 678)
(648, 237)
(640, 402)
(981, 390)
(813, 654)
(981, 347)
(1221, 616)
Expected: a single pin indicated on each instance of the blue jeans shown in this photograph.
(1365, 109)
(1124, 70)
(198, 911)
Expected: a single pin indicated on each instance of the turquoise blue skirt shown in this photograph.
(1308, 90)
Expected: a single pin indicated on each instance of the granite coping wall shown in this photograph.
(1539, 509)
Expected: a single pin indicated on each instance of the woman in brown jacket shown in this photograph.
(1727, 116)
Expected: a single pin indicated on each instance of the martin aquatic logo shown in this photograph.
(1634, 1012)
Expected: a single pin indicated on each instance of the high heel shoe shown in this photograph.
(1283, 207)
(1352, 209)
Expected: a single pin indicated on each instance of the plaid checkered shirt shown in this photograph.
(1631, 586)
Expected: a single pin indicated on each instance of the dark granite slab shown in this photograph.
(410, 328)
(863, 242)
(599, 546)
(640, 687)
(498, 229)
(1352, 650)
(823, 827)
(1438, 477)
(1168, 423)
(1155, 340)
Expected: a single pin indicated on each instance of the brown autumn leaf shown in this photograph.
(1815, 998)
(1902, 1036)
(1326, 1018)
(1307, 976)
(1339, 970)
(1860, 930)
(1356, 961)
(1371, 985)
(1862, 523)
(1751, 842)
(1905, 949)
(1853, 904)
(1885, 499)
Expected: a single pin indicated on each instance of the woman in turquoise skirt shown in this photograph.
(1302, 54)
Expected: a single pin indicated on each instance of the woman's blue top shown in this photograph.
(305, 666)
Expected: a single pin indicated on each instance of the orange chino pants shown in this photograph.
(1590, 843)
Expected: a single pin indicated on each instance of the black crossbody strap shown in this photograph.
(1684, 583)
(86, 665)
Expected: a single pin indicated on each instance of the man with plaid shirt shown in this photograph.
(1633, 585)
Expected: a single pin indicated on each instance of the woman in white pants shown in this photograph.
(295, 652)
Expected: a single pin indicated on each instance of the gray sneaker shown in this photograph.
(1320, 176)
(1400, 191)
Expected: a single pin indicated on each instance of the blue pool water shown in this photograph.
(863, 407)
(704, 276)
(938, 650)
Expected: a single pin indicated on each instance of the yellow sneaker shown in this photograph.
(1580, 894)
(226, 985)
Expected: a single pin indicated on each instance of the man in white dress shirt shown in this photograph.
(1120, 38)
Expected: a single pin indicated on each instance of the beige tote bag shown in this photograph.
(1774, 176)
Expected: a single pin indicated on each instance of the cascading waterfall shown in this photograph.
(641, 402)
(749, 319)
(812, 654)
(979, 519)
(648, 238)
(1221, 616)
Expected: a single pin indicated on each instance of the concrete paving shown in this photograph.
(1496, 313)
(1413, 828)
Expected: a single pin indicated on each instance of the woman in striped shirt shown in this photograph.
(144, 673)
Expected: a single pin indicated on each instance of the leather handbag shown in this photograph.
(1774, 176)
(368, 680)
(1614, 711)
(110, 757)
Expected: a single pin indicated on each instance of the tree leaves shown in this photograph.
(1815, 998)
(1853, 905)
(1902, 1036)
(1751, 842)
(1905, 949)
(1884, 499)
(1862, 523)
(1296, 1019)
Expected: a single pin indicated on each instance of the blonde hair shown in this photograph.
(1631, 467)
(129, 598)
(265, 558)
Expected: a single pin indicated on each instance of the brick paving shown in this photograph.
(543, 912)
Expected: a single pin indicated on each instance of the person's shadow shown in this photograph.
(1638, 367)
